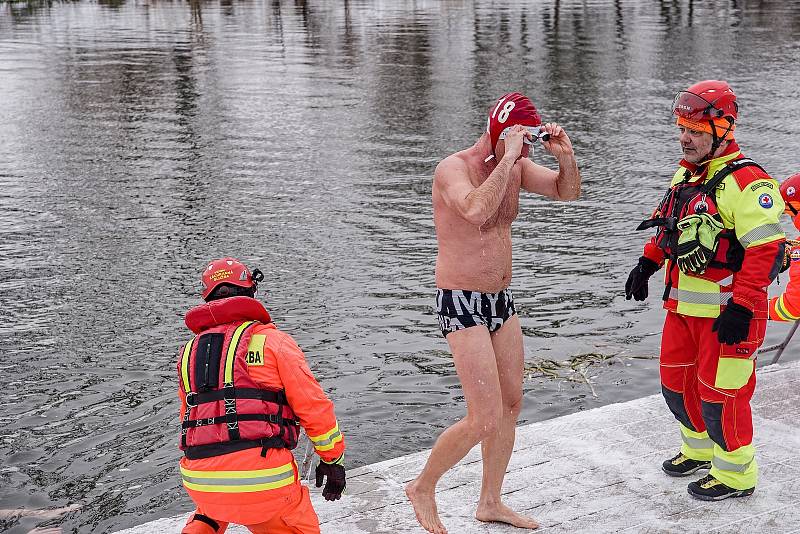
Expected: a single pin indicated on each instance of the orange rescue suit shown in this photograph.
(786, 307)
(245, 487)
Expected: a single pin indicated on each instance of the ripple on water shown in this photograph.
(138, 141)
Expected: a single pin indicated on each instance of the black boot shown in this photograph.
(681, 466)
(709, 488)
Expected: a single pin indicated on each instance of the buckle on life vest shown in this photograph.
(190, 400)
(270, 443)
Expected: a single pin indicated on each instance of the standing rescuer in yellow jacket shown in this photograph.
(718, 237)
(245, 391)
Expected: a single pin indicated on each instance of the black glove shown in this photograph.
(636, 286)
(335, 485)
(733, 324)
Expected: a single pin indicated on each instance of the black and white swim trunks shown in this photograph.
(458, 309)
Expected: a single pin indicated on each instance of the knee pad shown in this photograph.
(677, 407)
(712, 416)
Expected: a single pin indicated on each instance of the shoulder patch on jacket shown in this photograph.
(747, 175)
(765, 201)
(759, 185)
(255, 350)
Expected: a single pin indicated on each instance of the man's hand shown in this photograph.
(559, 144)
(336, 479)
(733, 324)
(514, 142)
(636, 285)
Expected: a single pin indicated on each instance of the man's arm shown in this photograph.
(306, 397)
(759, 231)
(786, 307)
(562, 185)
(476, 205)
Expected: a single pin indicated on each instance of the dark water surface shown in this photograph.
(140, 139)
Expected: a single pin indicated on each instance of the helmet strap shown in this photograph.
(716, 139)
(715, 142)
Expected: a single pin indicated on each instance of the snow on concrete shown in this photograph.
(597, 471)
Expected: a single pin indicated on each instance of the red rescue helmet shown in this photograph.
(790, 191)
(705, 101)
(228, 271)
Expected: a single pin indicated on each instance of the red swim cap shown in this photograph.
(510, 109)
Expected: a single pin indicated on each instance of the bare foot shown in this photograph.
(424, 504)
(503, 514)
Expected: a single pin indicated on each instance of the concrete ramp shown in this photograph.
(591, 472)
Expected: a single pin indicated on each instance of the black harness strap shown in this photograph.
(231, 416)
(730, 167)
(207, 520)
(217, 449)
(187, 354)
(229, 390)
(278, 397)
(183, 429)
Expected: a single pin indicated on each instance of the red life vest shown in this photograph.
(226, 410)
(683, 199)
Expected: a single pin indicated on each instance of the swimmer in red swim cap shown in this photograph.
(475, 200)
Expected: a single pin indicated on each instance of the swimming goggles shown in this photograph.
(536, 131)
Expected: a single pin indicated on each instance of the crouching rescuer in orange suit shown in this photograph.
(718, 236)
(786, 307)
(245, 390)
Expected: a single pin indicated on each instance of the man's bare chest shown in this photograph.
(508, 209)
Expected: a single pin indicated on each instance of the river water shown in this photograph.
(138, 140)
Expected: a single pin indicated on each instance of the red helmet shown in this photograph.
(226, 271)
(706, 100)
(790, 191)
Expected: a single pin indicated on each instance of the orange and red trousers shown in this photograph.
(708, 386)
